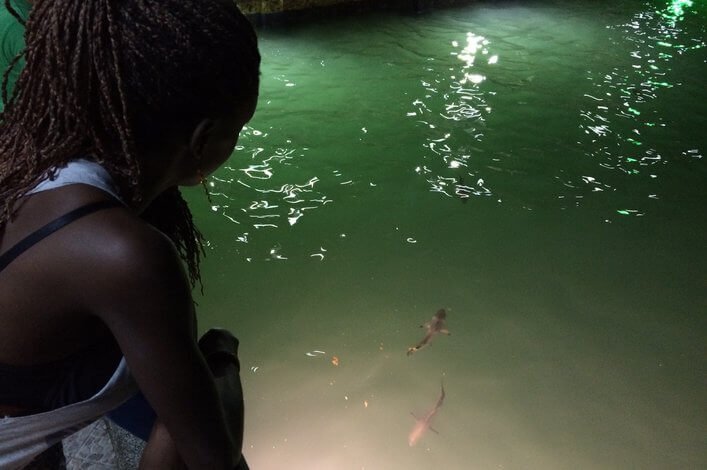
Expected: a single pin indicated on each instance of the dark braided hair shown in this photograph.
(108, 79)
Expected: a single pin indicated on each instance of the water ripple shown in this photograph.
(455, 93)
(622, 129)
(264, 193)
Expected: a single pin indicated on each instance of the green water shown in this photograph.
(537, 168)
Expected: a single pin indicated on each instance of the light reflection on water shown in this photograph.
(454, 94)
(273, 200)
(477, 112)
(623, 130)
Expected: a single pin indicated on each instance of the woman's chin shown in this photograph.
(191, 181)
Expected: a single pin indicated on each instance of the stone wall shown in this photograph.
(265, 7)
(278, 6)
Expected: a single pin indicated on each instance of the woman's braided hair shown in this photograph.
(106, 78)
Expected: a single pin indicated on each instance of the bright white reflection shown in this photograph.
(271, 203)
(474, 44)
(455, 94)
(474, 78)
(618, 116)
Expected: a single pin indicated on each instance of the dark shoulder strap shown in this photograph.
(42, 233)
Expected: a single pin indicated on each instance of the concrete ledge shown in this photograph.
(102, 445)
(278, 6)
(277, 11)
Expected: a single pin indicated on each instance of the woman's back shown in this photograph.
(46, 293)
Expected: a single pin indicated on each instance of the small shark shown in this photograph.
(424, 423)
(434, 327)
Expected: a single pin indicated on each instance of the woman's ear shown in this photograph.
(200, 136)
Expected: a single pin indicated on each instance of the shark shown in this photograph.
(423, 424)
(434, 327)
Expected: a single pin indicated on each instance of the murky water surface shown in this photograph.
(535, 168)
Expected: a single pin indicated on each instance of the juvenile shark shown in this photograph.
(424, 423)
(434, 327)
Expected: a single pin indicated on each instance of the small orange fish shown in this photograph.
(335, 361)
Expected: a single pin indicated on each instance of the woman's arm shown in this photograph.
(219, 347)
(139, 289)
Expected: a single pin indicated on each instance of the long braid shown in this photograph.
(187, 240)
(107, 79)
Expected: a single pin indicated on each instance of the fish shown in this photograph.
(423, 424)
(434, 327)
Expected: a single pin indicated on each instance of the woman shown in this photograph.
(120, 102)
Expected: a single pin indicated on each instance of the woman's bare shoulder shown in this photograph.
(127, 269)
(122, 247)
(110, 265)
(120, 239)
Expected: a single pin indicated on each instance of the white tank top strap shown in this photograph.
(80, 171)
